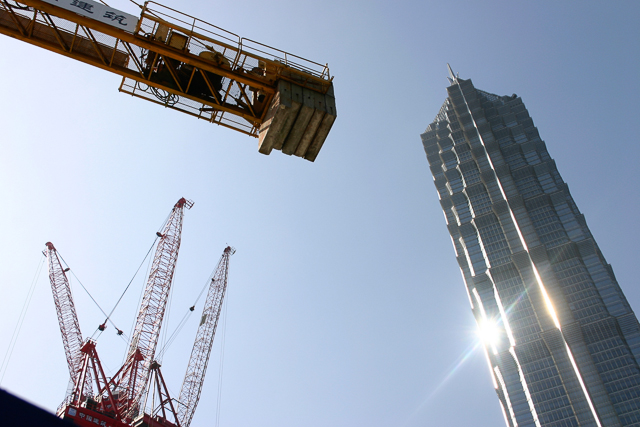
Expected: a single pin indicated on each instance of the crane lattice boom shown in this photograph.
(118, 400)
(183, 63)
(147, 330)
(67, 317)
(194, 378)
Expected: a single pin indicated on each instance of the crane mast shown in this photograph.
(194, 378)
(67, 317)
(144, 340)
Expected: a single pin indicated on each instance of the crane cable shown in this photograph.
(222, 346)
(83, 287)
(186, 316)
(105, 3)
(173, 335)
(183, 321)
(165, 320)
(224, 334)
(25, 307)
(103, 326)
(127, 288)
(142, 290)
(137, 4)
(108, 316)
(16, 332)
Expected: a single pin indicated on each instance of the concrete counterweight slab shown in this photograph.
(297, 121)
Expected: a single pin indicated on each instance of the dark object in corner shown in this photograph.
(15, 412)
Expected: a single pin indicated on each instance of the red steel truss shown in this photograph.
(121, 399)
(164, 407)
(67, 317)
(104, 408)
(194, 378)
(105, 401)
(152, 308)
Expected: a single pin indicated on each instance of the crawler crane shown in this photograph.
(120, 400)
(178, 61)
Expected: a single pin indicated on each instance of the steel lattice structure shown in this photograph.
(183, 63)
(147, 330)
(105, 401)
(121, 400)
(194, 378)
(67, 317)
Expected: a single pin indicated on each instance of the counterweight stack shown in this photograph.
(194, 378)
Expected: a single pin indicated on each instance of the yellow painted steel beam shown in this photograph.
(241, 83)
(146, 43)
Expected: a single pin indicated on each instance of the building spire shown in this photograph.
(453, 78)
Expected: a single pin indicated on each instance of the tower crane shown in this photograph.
(178, 61)
(120, 400)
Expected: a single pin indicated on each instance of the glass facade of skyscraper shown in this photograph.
(561, 340)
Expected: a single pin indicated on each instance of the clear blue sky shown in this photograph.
(346, 306)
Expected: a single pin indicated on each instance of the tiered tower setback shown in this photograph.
(561, 339)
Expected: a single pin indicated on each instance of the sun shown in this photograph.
(489, 332)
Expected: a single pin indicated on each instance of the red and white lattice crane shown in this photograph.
(194, 378)
(142, 347)
(67, 317)
(120, 400)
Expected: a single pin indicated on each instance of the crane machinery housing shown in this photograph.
(178, 61)
(121, 400)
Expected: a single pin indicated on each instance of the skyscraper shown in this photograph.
(561, 340)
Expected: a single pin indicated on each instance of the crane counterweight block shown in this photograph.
(180, 62)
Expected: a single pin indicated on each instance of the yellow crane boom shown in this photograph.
(183, 63)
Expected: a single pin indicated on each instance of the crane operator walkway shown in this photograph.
(178, 61)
